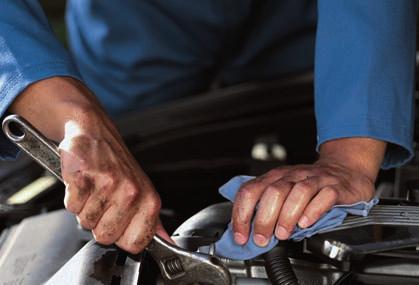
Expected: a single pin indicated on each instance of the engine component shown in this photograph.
(179, 266)
(278, 266)
(363, 250)
(99, 265)
(387, 227)
(31, 252)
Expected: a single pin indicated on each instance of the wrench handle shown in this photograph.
(32, 142)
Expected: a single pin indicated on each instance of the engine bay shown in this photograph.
(189, 151)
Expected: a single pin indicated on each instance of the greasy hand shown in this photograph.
(301, 194)
(105, 187)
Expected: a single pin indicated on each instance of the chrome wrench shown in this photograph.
(177, 266)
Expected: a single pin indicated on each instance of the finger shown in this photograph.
(112, 225)
(243, 209)
(115, 220)
(268, 211)
(77, 192)
(161, 232)
(95, 207)
(320, 204)
(71, 165)
(104, 187)
(139, 232)
(246, 200)
(297, 200)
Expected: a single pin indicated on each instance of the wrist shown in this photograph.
(360, 154)
(49, 104)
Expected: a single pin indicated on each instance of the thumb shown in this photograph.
(161, 232)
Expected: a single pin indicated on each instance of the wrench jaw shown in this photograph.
(179, 266)
(189, 272)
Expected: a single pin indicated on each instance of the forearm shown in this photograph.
(360, 154)
(49, 104)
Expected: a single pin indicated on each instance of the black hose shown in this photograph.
(278, 266)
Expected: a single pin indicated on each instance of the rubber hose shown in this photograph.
(278, 266)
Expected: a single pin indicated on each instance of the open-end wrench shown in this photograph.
(177, 266)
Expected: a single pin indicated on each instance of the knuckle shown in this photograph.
(91, 216)
(286, 225)
(85, 223)
(331, 193)
(274, 189)
(301, 188)
(82, 184)
(102, 203)
(105, 237)
(131, 195)
(246, 191)
(242, 221)
(261, 224)
(104, 183)
(72, 207)
(286, 221)
(154, 204)
(110, 179)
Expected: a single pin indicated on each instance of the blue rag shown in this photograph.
(226, 246)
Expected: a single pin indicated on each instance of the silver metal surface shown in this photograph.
(34, 250)
(382, 215)
(335, 250)
(178, 266)
(98, 265)
(31, 141)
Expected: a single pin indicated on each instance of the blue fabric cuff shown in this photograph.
(15, 82)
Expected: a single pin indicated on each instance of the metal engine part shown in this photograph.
(32, 251)
(378, 249)
(207, 226)
(365, 248)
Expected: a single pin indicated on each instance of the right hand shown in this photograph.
(105, 187)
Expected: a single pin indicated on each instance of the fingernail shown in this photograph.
(303, 222)
(260, 240)
(281, 233)
(239, 238)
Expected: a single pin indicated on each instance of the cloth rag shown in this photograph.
(226, 246)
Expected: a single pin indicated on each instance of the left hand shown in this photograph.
(286, 196)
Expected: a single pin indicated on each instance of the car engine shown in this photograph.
(189, 151)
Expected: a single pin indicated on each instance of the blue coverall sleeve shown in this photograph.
(29, 52)
(364, 73)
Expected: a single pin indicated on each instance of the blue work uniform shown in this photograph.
(141, 53)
